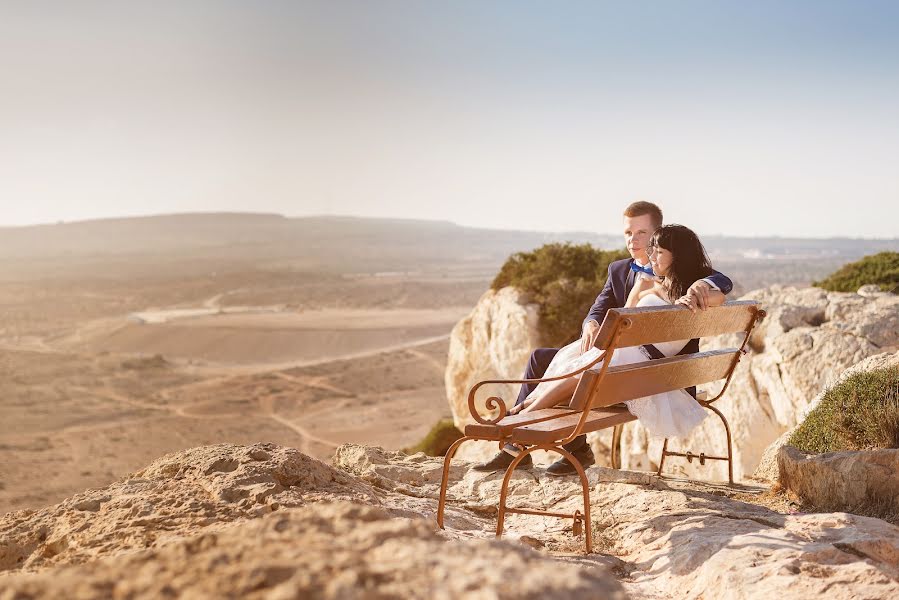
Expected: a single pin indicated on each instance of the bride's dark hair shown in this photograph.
(689, 259)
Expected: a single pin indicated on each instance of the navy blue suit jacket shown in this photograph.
(621, 281)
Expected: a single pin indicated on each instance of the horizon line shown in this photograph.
(276, 215)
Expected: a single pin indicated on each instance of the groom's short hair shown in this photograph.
(636, 209)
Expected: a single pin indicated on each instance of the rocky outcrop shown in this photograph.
(848, 481)
(493, 342)
(809, 337)
(663, 538)
(768, 469)
(365, 529)
(179, 494)
(335, 550)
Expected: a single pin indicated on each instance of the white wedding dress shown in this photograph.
(670, 414)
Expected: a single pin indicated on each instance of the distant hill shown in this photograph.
(333, 243)
(153, 234)
(348, 245)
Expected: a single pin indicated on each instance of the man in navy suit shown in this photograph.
(641, 219)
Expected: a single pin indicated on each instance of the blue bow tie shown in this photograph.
(647, 269)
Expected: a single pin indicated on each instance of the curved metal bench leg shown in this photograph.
(504, 489)
(616, 446)
(451, 451)
(730, 454)
(664, 454)
(585, 486)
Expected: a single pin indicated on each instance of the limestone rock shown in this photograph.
(180, 493)
(707, 547)
(668, 539)
(335, 550)
(493, 342)
(842, 480)
(870, 290)
(808, 339)
(768, 469)
(662, 538)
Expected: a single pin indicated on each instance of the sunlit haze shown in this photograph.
(761, 118)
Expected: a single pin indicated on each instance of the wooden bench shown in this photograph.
(597, 400)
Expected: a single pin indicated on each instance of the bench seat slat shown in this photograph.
(510, 422)
(638, 380)
(557, 429)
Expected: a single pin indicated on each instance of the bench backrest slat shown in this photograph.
(653, 324)
(637, 380)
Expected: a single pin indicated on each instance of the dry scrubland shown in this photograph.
(89, 394)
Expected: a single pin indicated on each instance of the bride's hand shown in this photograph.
(687, 301)
(642, 285)
(520, 407)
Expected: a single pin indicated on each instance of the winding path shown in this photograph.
(212, 375)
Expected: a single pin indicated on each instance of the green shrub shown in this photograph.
(564, 280)
(881, 269)
(860, 413)
(438, 440)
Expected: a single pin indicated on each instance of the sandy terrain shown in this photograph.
(271, 338)
(91, 392)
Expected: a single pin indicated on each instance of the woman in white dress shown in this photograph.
(678, 259)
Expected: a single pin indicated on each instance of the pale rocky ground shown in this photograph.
(808, 338)
(268, 521)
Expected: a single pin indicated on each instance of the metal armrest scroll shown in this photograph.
(495, 402)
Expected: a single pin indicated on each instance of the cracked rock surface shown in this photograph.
(267, 521)
(664, 538)
(327, 550)
(844, 480)
(184, 492)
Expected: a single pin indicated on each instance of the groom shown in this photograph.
(641, 219)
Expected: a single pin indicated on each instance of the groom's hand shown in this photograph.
(588, 337)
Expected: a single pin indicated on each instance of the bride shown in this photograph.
(678, 259)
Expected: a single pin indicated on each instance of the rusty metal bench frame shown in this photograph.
(597, 400)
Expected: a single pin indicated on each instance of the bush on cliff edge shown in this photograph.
(881, 269)
(859, 413)
(438, 440)
(563, 279)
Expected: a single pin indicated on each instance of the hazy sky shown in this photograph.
(743, 118)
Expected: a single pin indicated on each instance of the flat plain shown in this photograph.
(99, 377)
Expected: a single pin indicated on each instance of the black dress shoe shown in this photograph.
(501, 462)
(562, 467)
